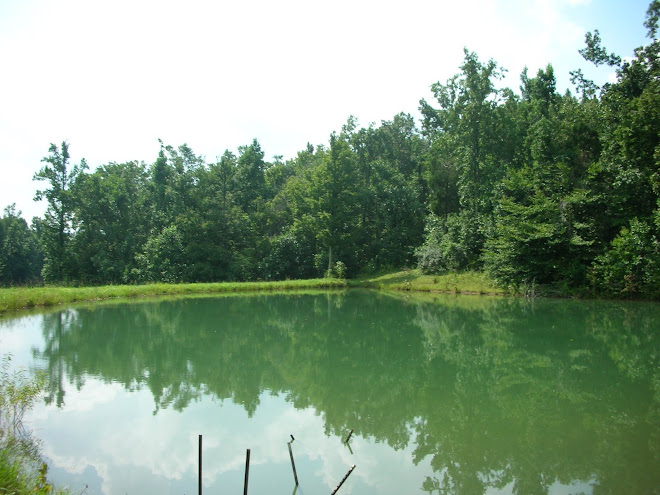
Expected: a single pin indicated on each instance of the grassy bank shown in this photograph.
(414, 280)
(28, 297)
(17, 298)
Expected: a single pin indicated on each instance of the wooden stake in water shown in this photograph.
(247, 471)
(199, 475)
(293, 464)
(343, 479)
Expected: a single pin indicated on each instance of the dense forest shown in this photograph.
(531, 186)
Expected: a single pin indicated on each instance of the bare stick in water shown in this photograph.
(293, 464)
(247, 471)
(343, 479)
(199, 481)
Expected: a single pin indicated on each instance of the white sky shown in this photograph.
(111, 77)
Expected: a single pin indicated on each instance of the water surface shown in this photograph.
(445, 394)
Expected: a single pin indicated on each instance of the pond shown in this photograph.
(443, 394)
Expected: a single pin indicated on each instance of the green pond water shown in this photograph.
(444, 394)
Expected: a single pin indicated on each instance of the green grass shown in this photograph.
(22, 468)
(16, 298)
(414, 280)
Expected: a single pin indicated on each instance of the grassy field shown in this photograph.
(414, 280)
(16, 298)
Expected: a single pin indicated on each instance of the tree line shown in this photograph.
(532, 186)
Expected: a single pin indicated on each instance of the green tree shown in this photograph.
(545, 222)
(161, 191)
(468, 119)
(173, 178)
(222, 174)
(57, 226)
(442, 176)
(626, 177)
(391, 191)
(291, 254)
(113, 221)
(465, 132)
(627, 172)
(20, 256)
(631, 267)
(293, 223)
(162, 258)
(396, 220)
(334, 195)
(249, 180)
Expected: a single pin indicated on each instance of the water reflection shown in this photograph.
(468, 395)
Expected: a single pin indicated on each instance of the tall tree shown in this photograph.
(250, 181)
(467, 118)
(335, 195)
(466, 129)
(221, 174)
(57, 225)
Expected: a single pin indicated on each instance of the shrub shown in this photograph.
(631, 267)
(22, 469)
(444, 248)
(339, 270)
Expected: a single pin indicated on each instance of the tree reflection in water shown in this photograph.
(496, 392)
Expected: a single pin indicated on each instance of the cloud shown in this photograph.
(128, 447)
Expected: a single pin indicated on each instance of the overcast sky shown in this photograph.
(111, 77)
